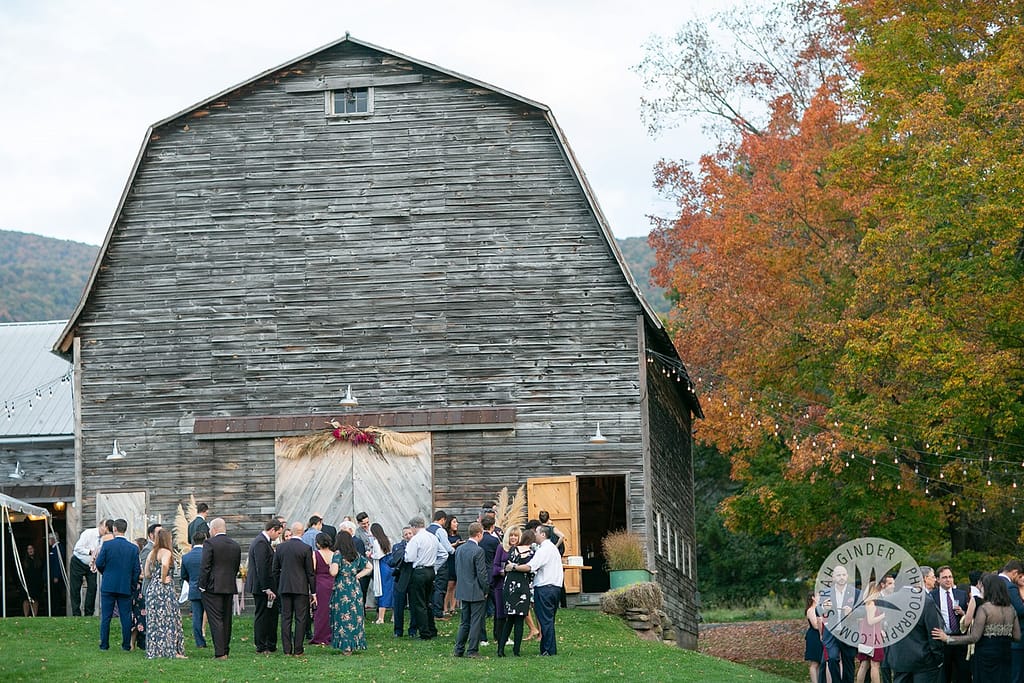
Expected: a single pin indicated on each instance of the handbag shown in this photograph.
(865, 649)
(183, 596)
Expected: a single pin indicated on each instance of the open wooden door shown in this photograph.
(558, 495)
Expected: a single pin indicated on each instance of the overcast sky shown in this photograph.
(83, 79)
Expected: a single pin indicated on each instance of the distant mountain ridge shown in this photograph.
(41, 278)
(640, 258)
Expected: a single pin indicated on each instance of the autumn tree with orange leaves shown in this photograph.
(848, 294)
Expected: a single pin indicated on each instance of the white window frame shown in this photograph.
(329, 103)
(657, 527)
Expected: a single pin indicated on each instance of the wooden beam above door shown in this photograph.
(428, 420)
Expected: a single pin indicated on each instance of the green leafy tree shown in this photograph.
(848, 267)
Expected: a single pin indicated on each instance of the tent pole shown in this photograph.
(3, 553)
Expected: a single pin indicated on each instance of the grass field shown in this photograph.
(592, 647)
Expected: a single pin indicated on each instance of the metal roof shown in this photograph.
(35, 386)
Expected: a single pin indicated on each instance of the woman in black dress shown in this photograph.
(812, 638)
(35, 578)
(452, 529)
(517, 590)
(995, 625)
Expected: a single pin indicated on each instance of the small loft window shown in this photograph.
(350, 102)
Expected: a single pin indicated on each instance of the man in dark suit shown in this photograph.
(58, 588)
(836, 604)
(118, 562)
(490, 542)
(952, 603)
(217, 572)
(296, 584)
(191, 563)
(401, 572)
(199, 523)
(330, 531)
(917, 657)
(260, 583)
(474, 580)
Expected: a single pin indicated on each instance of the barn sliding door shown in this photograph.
(350, 479)
(559, 496)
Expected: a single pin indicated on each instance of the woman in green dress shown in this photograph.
(347, 567)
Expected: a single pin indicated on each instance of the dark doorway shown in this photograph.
(27, 532)
(602, 509)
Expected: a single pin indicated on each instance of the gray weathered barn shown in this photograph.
(358, 218)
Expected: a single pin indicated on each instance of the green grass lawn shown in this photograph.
(592, 647)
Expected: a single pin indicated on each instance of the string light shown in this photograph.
(32, 397)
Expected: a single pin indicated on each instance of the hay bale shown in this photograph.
(646, 596)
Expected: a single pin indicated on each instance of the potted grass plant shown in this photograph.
(625, 559)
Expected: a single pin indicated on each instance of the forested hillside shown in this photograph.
(41, 278)
(640, 258)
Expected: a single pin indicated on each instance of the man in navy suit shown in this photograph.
(474, 581)
(217, 572)
(190, 566)
(259, 581)
(296, 584)
(118, 562)
(952, 603)
(836, 604)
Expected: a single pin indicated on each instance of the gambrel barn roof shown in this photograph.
(63, 344)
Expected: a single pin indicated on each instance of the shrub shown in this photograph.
(623, 550)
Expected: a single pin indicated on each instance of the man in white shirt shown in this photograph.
(836, 604)
(546, 566)
(82, 569)
(952, 604)
(444, 549)
(421, 552)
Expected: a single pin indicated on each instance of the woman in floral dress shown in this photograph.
(138, 608)
(347, 567)
(164, 636)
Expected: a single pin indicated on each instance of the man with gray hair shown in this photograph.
(928, 576)
(402, 575)
(546, 566)
(421, 552)
(218, 569)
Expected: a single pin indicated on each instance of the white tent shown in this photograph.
(8, 505)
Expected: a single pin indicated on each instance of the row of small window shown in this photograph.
(675, 551)
(349, 102)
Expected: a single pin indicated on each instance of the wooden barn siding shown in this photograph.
(672, 495)
(48, 463)
(438, 253)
